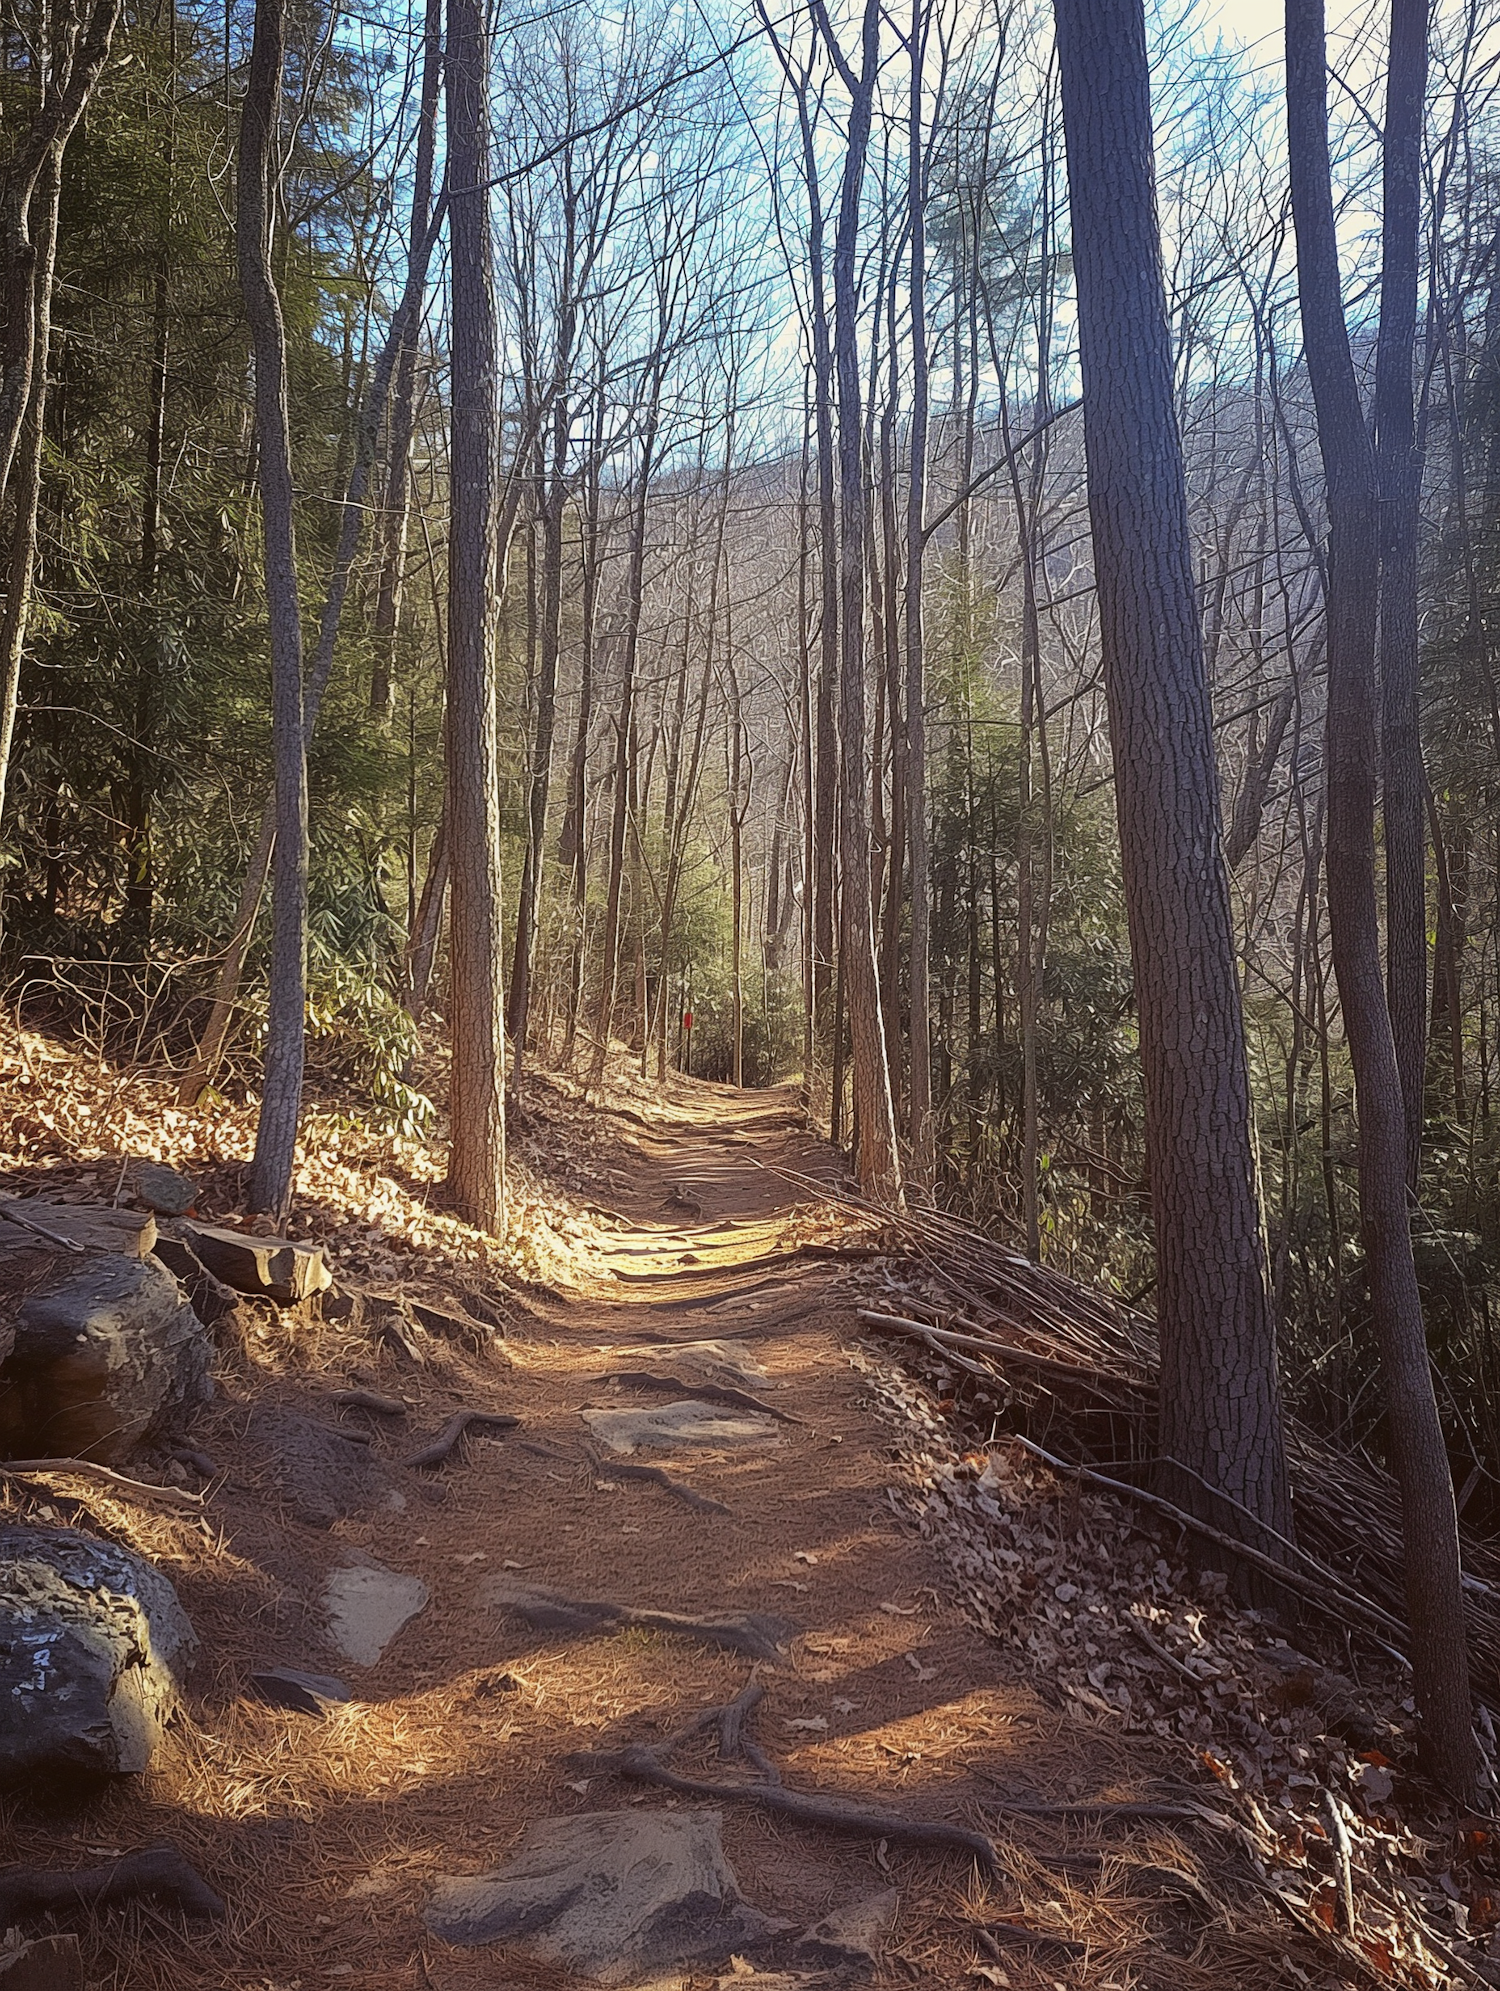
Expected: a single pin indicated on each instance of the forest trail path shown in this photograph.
(328, 1836)
(885, 1695)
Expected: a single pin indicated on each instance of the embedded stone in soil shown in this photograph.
(303, 1693)
(856, 1933)
(367, 1606)
(700, 1361)
(608, 1894)
(678, 1426)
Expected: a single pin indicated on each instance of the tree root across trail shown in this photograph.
(659, 1476)
(160, 1874)
(453, 1432)
(832, 1814)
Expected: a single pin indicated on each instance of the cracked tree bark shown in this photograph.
(1220, 1394)
(877, 1161)
(281, 1099)
(476, 1167)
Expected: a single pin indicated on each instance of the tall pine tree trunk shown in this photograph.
(920, 1130)
(286, 1022)
(1220, 1418)
(476, 1166)
(877, 1162)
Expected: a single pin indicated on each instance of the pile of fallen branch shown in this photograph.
(1053, 1356)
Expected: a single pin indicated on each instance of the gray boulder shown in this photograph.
(106, 1353)
(93, 1649)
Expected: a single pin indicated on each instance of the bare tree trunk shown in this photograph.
(286, 1023)
(476, 1166)
(396, 496)
(878, 1163)
(421, 946)
(738, 803)
(553, 501)
(575, 827)
(625, 728)
(1419, 1460)
(68, 68)
(1447, 981)
(140, 883)
(822, 884)
(805, 750)
(1220, 1416)
(1398, 476)
(920, 1129)
(26, 482)
(226, 985)
(890, 667)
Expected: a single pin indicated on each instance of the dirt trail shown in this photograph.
(326, 1835)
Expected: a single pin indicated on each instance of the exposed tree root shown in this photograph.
(754, 1635)
(659, 1476)
(832, 1814)
(160, 1872)
(382, 1406)
(444, 1444)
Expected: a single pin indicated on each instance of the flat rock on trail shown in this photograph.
(328, 1835)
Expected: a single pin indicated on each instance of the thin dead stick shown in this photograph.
(1167, 1658)
(1338, 1832)
(453, 1431)
(26, 1892)
(943, 1340)
(996, 1937)
(176, 1496)
(9, 1212)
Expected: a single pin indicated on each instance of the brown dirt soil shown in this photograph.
(324, 1836)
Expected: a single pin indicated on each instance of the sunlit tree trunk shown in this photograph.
(476, 1166)
(877, 1161)
(281, 1100)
